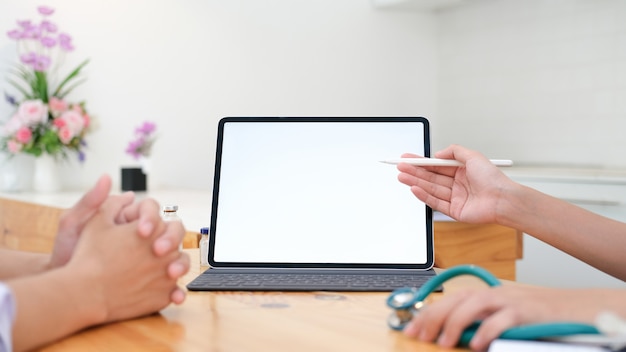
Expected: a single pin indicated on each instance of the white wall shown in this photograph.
(542, 82)
(186, 63)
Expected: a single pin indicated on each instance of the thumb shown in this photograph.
(91, 201)
(74, 219)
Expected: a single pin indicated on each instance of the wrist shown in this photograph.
(55, 303)
(510, 204)
(81, 287)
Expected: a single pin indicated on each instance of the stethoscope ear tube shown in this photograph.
(406, 302)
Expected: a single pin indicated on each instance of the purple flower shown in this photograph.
(48, 26)
(42, 63)
(15, 34)
(144, 139)
(33, 33)
(147, 128)
(64, 38)
(29, 58)
(48, 42)
(25, 24)
(45, 10)
(10, 99)
(134, 147)
(66, 46)
(65, 42)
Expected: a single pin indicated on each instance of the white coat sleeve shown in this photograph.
(7, 315)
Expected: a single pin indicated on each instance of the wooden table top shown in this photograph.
(246, 321)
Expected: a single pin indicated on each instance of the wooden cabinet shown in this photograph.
(493, 247)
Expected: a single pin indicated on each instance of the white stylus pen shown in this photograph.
(440, 162)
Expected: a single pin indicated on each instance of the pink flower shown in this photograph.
(32, 112)
(74, 121)
(78, 109)
(14, 147)
(24, 135)
(59, 123)
(57, 105)
(65, 134)
(12, 125)
(87, 120)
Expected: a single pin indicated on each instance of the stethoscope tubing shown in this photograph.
(523, 332)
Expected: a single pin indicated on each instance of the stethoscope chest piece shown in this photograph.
(405, 307)
(406, 302)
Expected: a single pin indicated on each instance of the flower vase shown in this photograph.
(46, 176)
(16, 173)
(146, 164)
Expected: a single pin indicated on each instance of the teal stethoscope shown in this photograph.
(407, 302)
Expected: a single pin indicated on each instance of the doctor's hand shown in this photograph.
(469, 193)
(500, 308)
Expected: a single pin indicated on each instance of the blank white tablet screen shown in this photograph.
(315, 192)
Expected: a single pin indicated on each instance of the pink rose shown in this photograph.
(57, 105)
(14, 147)
(86, 120)
(32, 112)
(23, 135)
(65, 135)
(74, 121)
(78, 109)
(12, 125)
(59, 122)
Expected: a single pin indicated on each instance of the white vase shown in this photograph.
(16, 172)
(46, 176)
(146, 164)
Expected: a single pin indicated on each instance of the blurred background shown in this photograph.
(541, 82)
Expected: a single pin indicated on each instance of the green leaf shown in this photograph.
(67, 91)
(35, 150)
(26, 77)
(21, 89)
(22, 72)
(40, 86)
(69, 78)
